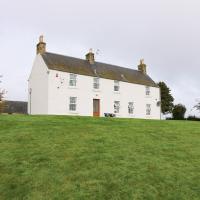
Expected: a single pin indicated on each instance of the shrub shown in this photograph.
(193, 118)
(178, 112)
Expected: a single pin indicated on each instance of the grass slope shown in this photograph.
(55, 157)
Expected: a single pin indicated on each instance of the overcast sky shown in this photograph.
(166, 33)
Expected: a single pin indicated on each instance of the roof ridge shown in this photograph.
(95, 61)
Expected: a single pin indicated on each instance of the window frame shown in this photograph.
(131, 108)
(96, 82)
(116, 107)
(148, 91)
(72, 80)
(72, 104)
(116, 85)
(148, 109)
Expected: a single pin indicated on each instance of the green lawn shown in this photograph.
(58, 157)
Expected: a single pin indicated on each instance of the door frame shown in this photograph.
(96, 114)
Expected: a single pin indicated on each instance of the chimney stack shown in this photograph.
(41, 46)
(142, 67)
(90, 57)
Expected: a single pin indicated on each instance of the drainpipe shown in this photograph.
(30, 92)
(160, 102)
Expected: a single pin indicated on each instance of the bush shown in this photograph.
(169, 118)
(178, 112)
(193, 118)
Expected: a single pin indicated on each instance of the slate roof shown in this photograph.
(101, 70)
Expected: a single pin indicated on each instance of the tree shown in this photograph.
(178, 112)
(197, 106)
(166, 98)
(2, 102)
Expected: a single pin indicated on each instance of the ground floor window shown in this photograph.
(148, 109)
(116, 106)
(72, 103)
(130, 107)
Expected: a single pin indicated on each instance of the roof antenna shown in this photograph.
(41, 38)
(97, 52)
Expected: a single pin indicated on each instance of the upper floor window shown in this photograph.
(72, 103)
(147, 90)
(130, 107)
(72, 79)
(148, 109)
(116, 106)
(96, 83)
(116, 86)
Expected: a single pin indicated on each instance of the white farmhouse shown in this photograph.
(63, 85)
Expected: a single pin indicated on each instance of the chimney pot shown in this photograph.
(142, 67)
(41, 46)
(90, 57)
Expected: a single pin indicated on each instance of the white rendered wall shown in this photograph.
(38, 88)
(60, 91)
